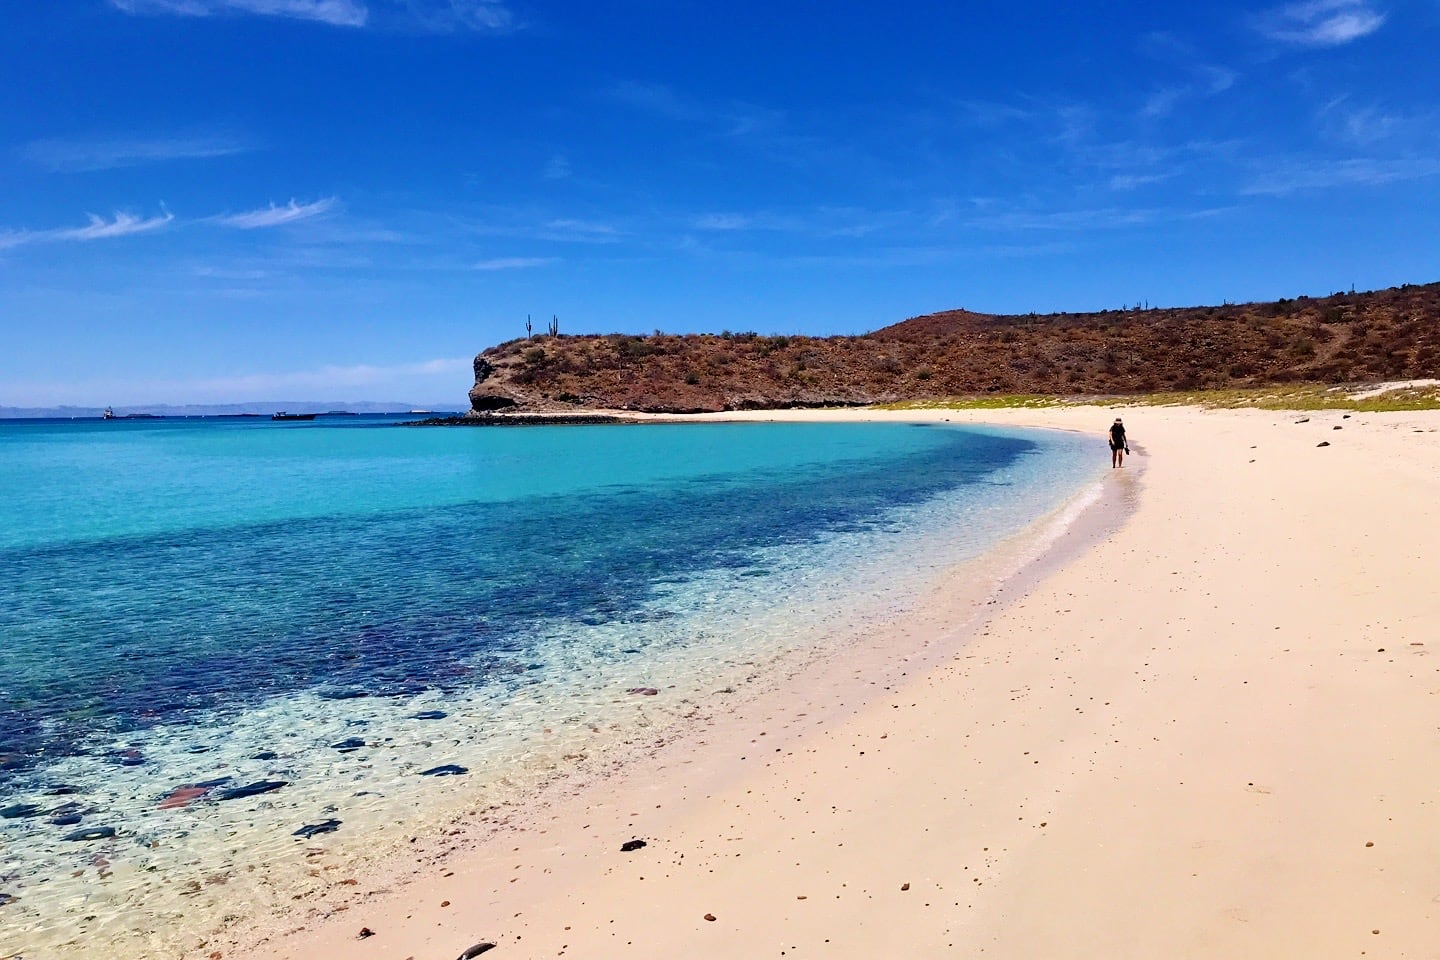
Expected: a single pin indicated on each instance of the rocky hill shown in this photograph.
(1344, 338)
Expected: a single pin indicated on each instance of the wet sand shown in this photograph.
(1204, 725)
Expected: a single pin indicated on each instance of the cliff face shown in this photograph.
(1381, 335)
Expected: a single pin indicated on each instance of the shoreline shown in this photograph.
(840, 679)
(1206, 732)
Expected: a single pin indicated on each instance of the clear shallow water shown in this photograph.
(182, 602)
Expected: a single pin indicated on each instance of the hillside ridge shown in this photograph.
(1367, 337)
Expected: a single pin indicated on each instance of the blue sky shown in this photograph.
(223, 200)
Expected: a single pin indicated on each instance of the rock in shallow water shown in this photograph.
(349, 744)
(445, 770)
(429, 715)
(311, 829)
(93, 833)
(250, 789)
(18, 810)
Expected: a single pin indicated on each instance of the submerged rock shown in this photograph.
(311, 829)
(265, 755)
(429, 715)
(349, 744)
(6, 898)
(93, 833)
(343, 693)
(250, 789)
(182, 797)
(66, 816)
(18, 810)
(445, 770)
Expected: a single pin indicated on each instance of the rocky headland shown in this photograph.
(1364, 337)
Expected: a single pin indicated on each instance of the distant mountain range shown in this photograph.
(1341, 338)
(258, 407)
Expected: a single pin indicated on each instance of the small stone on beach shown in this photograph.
(250, 789)
(475, 951)
(904, 886)
(643, 691)
(445, 770)
(629, 845)
(311, 829)
(1323, 443)
(365, 932)
(710, 917)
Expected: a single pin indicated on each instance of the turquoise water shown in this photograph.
(184, 602)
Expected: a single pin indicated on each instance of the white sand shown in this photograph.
(1214, 732)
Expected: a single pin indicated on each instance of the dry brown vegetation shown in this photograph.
(1344, 338)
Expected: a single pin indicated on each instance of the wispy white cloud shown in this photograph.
(1321, 23)
(579, 231)
(1366, 125)
(340, 13)
(1130, 181)
(273, 216)
(733, 119)
(445, 16)
(1285, 178)
(722, 221)
(431, 16)
(121, 225)
(1203, 79)
(513, 263)
(84, 156)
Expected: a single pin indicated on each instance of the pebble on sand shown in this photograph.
(312, 829)
(475, 951)
(445, 770)
(629, 845)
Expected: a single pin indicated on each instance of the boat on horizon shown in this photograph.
(282, 415)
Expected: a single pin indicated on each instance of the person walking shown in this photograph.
(1118, 444)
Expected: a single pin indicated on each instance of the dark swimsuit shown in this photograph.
(1117, 437)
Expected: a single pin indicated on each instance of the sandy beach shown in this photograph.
(1203, 724)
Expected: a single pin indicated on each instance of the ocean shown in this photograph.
(223, 641)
